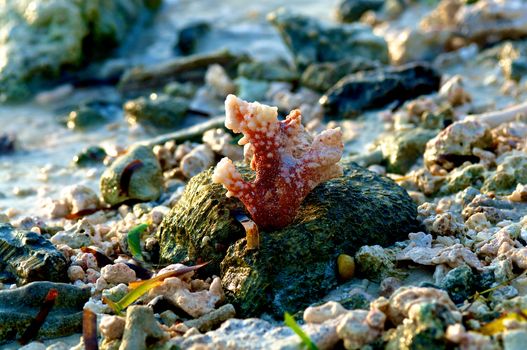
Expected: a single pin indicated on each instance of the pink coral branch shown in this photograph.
(287, 161)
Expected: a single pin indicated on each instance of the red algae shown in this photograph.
(288, 162)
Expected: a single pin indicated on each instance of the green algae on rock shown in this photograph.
(312, 41)
(402, 149)
(352, 10)
(297, 264)
(135, 175)
(462, 177)
(19, 306)
(43, 37)
(511, 170)
(30, 257)
(424, 328)
(157, 111)
(361, 91)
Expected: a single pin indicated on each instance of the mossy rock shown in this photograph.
(402, 149)
(296, 265)
(157, 111)
(511, 171)
(144, 179)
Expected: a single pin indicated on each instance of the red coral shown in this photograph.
(288, 162)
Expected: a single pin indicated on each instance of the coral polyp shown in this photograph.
(287, 160)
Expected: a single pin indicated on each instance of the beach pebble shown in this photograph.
(140, 326)
(75, 273)
(360, 327)
(118, 273)
(112, 327)
(197, 160)
(319, 314)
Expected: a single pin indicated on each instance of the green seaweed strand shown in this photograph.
(291, 323)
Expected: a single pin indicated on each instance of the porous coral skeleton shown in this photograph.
(288, 162)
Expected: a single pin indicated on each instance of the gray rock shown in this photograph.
(352, 10)
(157, 111)
(297, 264)
(322, 76)
(311, 41)
(53, 37)
(18, 307)
(144, 182)
(359, 92)
(29, 256)
(514, 339)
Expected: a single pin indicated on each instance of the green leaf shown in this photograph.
(141, 287)
(291, 323)
(134, 241)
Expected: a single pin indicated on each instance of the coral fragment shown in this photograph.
(288, 162)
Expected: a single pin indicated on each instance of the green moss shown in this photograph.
(511, 171)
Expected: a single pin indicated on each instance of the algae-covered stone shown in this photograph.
(424, 328)
(135, 175)
(18, 308)
(85, 118)
(462, 177)
(297, 264)
(352, 10)
(268, 71)
(41, 37)
(401, 149)
(89, 156)
(30, 257)
(460, 283)
(358, 92)
(374, 262)
(322, 76)
(312, 41)
(511, 171)
(158, 111)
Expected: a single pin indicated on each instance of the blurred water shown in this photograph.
(48, 147)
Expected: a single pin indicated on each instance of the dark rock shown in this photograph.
(90, 156)
(190, 35)
(352, 10)
(460, 283)
(311, 41)
(358, 92)
(297, 264)
(157, 111)
(7, 143)
(29, 256)
(322, 76)
(18, 307)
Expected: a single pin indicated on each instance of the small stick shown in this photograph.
(496, 118)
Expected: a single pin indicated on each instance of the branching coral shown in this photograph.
(288, 162)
